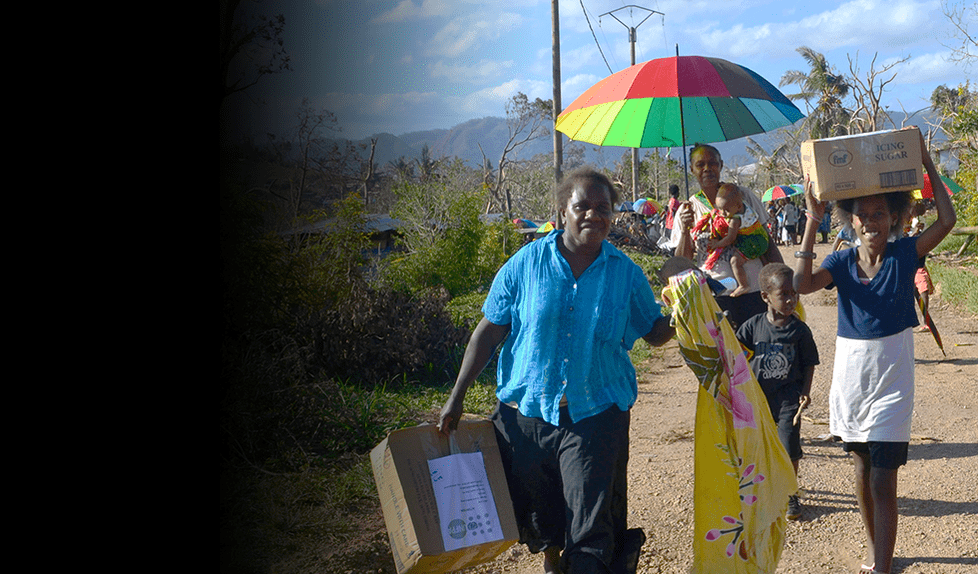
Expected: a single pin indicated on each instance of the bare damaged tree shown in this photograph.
(252, 46)
(967, 51)
(526, 121)
(311, 132)
(368, 173)
(869, 115)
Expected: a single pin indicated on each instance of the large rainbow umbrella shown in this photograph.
(669, 101)
(928, 190)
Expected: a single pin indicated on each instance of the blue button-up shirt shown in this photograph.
(569, 336)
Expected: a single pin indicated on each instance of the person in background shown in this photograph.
(790, 221)
(825, 225)
(569, 308)
(673, 206)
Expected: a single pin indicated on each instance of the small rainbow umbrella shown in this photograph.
(668, 101)
(646, 206)
(781, 191)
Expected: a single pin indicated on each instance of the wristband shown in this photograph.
(813, 218)
(804, 255)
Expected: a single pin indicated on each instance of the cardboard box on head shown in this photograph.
(865, 164)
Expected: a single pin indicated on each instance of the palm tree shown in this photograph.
(828, 118)
(427, 165)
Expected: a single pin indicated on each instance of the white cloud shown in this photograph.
(406, 10)
(927, 68)
(573, 87)
(462, 34)
(480, 72)
(377, 104)
(873, 24)
(492, 101)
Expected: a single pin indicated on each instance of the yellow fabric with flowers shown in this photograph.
(743, 475)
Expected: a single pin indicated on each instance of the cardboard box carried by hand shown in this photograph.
(410, 502)
(864, 164)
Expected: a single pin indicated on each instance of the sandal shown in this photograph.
(863, 569)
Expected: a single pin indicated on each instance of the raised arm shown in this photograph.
(806, 280)
(946, 218)
(482, 345)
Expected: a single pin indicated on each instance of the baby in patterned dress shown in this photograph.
(733, 224)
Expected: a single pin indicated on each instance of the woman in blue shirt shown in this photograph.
(569, 307)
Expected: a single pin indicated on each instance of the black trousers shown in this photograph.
(568, 482)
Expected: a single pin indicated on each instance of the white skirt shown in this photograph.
(872, 388)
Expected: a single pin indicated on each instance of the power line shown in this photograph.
(610, 71)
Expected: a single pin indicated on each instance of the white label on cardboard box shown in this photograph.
(466, 509)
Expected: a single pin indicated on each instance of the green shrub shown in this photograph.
(966, 202)
(466, 310)
(381, 335)
(268, 277)
(446, 243)
(958, 285)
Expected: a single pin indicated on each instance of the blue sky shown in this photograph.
(402, 66)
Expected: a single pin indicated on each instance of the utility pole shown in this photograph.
(558, 141)
(631, 38)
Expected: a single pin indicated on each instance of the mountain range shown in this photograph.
(464, 140)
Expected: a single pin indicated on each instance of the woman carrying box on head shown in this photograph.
(871, 398)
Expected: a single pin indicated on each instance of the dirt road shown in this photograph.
(938, 489)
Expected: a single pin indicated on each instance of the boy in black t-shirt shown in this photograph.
(783, 358)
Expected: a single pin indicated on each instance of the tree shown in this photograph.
(400, 169)
(526, 121)
(311, 131)
(780, 166)
(966, 51)
(869, 115)
(958, 109)
(822, 83)
(252, 46)
(427, 165)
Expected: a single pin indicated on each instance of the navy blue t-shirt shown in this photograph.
(780, 354)
(885, 306)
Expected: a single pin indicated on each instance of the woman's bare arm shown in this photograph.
(946, 218)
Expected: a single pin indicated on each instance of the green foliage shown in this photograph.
(966, 202)
(267, 277)
(331, 262)
(958, 285)
(649, 265)
(952, 243)
(381, 335)
(447, 245)
(828, 88)
(466, 310)
(481, 396)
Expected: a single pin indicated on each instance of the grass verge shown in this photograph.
(958, 284)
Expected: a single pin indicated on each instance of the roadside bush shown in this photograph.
(446, 244)
(328, 384)
(381, 335)
(966, 202)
